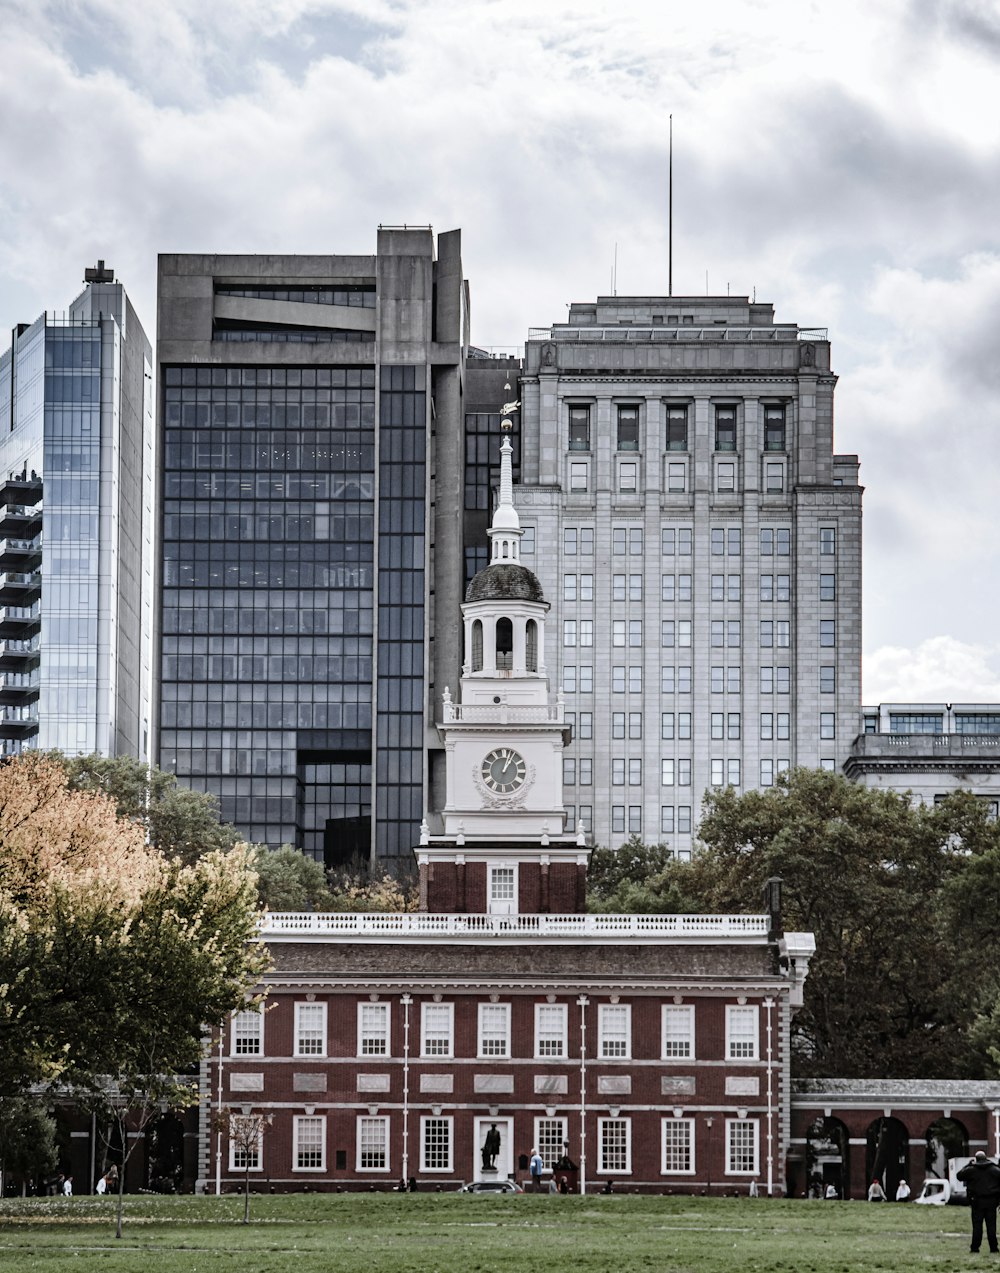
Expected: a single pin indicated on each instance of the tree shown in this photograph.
(638, 879)
(113, 958)
(884, 885)
(180, 822)
(365, 886)
(27, 1140)
(245, 1130)
(287, 880)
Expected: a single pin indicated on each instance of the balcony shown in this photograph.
(900, 753)
(20, 554)
(19, 656)
(20, 521)
(18, 722)
(21, 490)
(18, 689)
(20, 622)
(20, 587)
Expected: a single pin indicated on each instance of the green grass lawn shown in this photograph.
(451, 1233)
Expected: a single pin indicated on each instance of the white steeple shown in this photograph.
(505, 532)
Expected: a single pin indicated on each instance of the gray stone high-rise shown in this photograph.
(702, 553)
(312, 529)
(76, 529)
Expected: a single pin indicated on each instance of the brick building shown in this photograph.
(649, 1052)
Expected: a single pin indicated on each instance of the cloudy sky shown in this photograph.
(840, 157)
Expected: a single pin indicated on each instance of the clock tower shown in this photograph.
(503, 847)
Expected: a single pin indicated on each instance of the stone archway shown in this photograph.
(946, 1138)
(828, 1157)
(887, 1154)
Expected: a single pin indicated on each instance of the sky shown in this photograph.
(839, 159)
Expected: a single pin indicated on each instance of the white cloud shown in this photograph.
(938, 670)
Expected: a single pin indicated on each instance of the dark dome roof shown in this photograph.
(504, 583)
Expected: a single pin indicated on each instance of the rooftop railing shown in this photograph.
(641, 333)
(527, 927)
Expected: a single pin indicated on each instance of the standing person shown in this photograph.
(535, 1166)
(982, 1182)
(875, 1192)
(68, 1187)
(102, 1185)
(902, 1192)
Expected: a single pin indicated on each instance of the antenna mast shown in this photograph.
(670, 212)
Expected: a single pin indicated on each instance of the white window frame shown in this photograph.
(236, 1149)
(251, 1014)
(307, 1009)
(688, 1125)
(607, 1038)
(554, 1034)
(677, 1011)
(362, 1120)
(503, 1011)
(736, 1037)
(447, 1010)
(501, 905)
(731, 1125)
(376, 1009)
(297, 1124)
(546, 1139)
(602, 1162)
(448, 1122)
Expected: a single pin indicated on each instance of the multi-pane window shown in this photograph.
(783, 719)
(725, 476)
(503, 887)
(827, 678)
(828, 541)
(579, 428)
(494, 1029)
(569, 632)
(717, 633)
(668, 633)
(678, 1031)
(635, 632)
(437, 1029)
(615, 1030)
(828, 587)
(618, 771)
(578, 540)
(915, 723)
(766, 773)
(569, 771)
(550, 1137)
(635, 724)
(827, 632)
(733, 773)
(677, 428)
(618, 587)
(569, 587)
(587, 817)
(569, 679)
(782, 679)
(718, 587)
(782, 633)
(683, 724)
(635, 819)
(586, 587)
(586, 678)
(373, 1029)
(635, 541)
(718, 771)
(614, 1145)
(618, 678)
(766, 633)
(435, 1144)
(666, 819)
(734, 541)
(774, 426)
(725, 428)
(550, 1029)
(774, 478)
(684, 633)
(775, 541)
(667, 773)
(718, 725)
(766, 726)
(741, 1032)
(578, 476)
(527, 540)
(586, 632)
(635, 587)
(628, 428)
(733, 725)
(827, 725)
(586, 771)
(585, 727)
(676, 541)
(684, 819)
(635, 679)
(676, 478)
(618, 818)
(767, 680)
(718, 681)
(373, 1143)
(684, 678)
(309, 1143)
(668, 591)
(767, 587)
(977, 723)
(310, 1029)
(781, 587)
(732, 588)
(668, 680)
(741, 1146)
(635, 773)
(733, 680)
(248, 1032)
(732, 632)
(684, 772)
(718, 541)
(628, 476)
(246, 1143)
(678, 1147)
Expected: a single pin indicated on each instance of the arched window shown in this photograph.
(505, 643)
(477, 646)
(531, 646)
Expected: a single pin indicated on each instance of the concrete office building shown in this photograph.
(930, 750)
(312, 529)
(76, 533)
(706, 592)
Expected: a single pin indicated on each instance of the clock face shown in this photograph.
(504, 771)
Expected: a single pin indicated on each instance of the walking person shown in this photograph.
(982, 1182)
(535, 1166)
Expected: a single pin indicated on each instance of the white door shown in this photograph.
(505, 1158)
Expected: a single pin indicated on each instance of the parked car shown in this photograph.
(492, 1186)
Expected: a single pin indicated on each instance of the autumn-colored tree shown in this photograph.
(113, 958)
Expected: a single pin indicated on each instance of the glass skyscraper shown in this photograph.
(311, 412)
(76, 451)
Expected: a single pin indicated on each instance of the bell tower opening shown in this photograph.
(477, 646)
(531, 646)
(505, 644)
